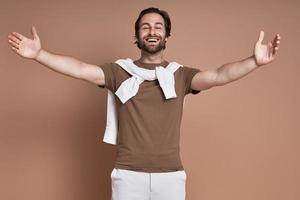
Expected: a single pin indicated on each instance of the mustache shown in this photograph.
(152, 36)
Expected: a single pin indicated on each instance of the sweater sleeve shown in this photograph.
(110, 71)
(188, 74)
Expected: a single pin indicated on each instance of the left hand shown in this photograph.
(265, 54)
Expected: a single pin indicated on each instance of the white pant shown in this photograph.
(134, 185)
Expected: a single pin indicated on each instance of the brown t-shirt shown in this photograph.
(148, 124)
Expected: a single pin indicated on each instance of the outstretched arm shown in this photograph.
(262, 55)
(31, 49)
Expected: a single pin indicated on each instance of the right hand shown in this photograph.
(24, 46)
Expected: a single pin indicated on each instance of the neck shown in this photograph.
(151, 58)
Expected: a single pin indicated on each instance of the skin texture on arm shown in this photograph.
(93, 74)
(262, 55)
(31, 49)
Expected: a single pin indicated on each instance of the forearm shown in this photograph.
(63, 64)
(233, 71)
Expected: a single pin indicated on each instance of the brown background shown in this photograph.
(239, 141)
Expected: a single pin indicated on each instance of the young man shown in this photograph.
(148, 164)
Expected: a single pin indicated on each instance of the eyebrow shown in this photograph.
(156, 23)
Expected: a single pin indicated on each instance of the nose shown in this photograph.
(151, 31)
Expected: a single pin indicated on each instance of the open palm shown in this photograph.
(266, 53)
(24, 46)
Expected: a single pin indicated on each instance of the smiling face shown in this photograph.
(152, 34)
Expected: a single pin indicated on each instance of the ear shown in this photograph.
(135, 39)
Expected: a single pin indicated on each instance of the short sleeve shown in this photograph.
(188, 74)
(110, 71)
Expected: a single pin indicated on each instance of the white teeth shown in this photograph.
(152, 40)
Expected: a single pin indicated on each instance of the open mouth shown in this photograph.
(152, 40)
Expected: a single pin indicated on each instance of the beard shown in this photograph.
(152, 48)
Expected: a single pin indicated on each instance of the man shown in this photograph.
(148, 164)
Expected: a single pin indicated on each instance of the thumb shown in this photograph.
(34, 32)
(261, 36)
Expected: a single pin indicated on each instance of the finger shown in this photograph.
(275, 50)
(271, 58)
(276, 41)
(13, 38)
(276, 45)
(15, 49)
(12, 43)
(261, 36)
(18, 35)
(272, 53)
(34, 32)
(270, 49)
(278, 38)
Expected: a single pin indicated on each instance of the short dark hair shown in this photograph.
(164, 15)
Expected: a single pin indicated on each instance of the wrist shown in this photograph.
(255, 61)
(38, 55)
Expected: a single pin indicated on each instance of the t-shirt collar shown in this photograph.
(150, 65)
